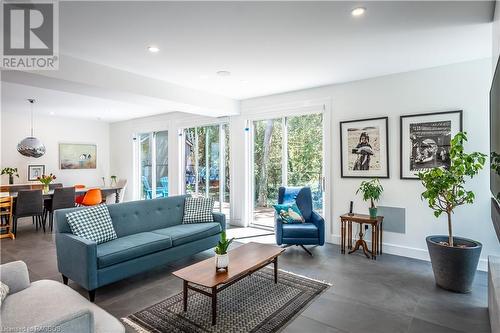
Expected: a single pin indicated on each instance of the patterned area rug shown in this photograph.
(254, 304)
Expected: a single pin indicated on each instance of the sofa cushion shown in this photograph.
(301, 230)
(186, 233)
(129, 247)
(92, 223)
(46, 300)
(197, 210)
(4, 291)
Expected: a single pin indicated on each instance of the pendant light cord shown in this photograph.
(32, 101)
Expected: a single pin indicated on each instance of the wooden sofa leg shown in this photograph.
(65, 279)
(92, 295)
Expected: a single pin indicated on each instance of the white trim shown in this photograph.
(409, 252)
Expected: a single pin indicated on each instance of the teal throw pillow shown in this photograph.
(289, 213)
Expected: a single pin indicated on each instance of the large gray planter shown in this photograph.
(454, 267)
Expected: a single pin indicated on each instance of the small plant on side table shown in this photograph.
(371, 190)
(454, 259)
(11, 172)
(222, 259)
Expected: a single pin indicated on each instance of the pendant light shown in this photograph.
(31, 146)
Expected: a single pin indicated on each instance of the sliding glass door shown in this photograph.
(287, 151)
(153, 171)
(206, 164)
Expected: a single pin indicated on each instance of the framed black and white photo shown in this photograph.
(364, 148)
(35, 171)
(425, 141)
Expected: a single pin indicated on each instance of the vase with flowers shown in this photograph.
(46, 180)
(11, 172)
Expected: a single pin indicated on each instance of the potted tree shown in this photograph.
(11, 172)
(371, 190)
(221, 258)
(454, 259)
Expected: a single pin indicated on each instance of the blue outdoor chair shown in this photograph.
(311, 232)
(148, 191)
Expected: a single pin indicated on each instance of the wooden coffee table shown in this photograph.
(243, 261)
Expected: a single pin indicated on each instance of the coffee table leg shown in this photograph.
(276, 270)
(214, 305)
(185, 295)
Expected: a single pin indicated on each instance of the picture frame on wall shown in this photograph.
(425, 141)
(35, 171)
(364, 148)
(77, 156)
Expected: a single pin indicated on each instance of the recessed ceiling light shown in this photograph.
(223, 73)
(244, 81)
(359, 11)
(52, 113)
(153, 49)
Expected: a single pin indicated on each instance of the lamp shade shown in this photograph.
(31, 147)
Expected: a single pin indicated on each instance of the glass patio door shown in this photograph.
(287, 151)
(153, 171)
(206, 164)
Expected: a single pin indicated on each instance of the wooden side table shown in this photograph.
(346, 221)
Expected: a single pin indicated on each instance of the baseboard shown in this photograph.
(410, 252)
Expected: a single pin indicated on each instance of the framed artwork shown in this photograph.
(425, 141)
(364, 148)
(77, 156)
(35, 171)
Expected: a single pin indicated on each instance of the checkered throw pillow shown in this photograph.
(198, 210)
(93, 224)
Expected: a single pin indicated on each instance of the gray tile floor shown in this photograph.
(392, 294)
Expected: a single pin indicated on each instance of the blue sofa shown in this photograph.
(312, 232)
(150, 234)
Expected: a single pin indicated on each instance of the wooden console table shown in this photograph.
(346, 221)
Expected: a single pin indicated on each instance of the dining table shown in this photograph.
(78, 191)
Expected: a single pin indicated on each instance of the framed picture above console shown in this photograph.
(425, 141)
(35, 171)
(364, 148)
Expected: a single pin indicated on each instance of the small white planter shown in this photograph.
(221, 261)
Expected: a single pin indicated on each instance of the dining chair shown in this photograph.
(6, 207)
(79, 199)
(92, 197)
(29, 203)
(64, 197)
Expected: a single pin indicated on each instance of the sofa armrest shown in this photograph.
(221, 218)
(15, 275)
(81, 321)
(319, 221)
(77, 259)
(278, 229)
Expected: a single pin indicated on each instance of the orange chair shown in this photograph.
(79, 199)
(92, 197)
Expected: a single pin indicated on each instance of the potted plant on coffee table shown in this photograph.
(454, 259)
(221, 258)
(371, 190)
(11, 172)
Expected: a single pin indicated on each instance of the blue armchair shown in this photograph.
(312, 232)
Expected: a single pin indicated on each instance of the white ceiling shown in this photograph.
(274, 47)
(51, 102)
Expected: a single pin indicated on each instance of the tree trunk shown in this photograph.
(262, 197)
(373, 204)
(450, 231)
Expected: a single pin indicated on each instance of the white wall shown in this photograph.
(463, 86)
(496, 33)
(15, 125)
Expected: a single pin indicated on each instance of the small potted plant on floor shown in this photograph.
(46, 180)
(454, 259)
(371, 190)
(11, 172)
(221, 258)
